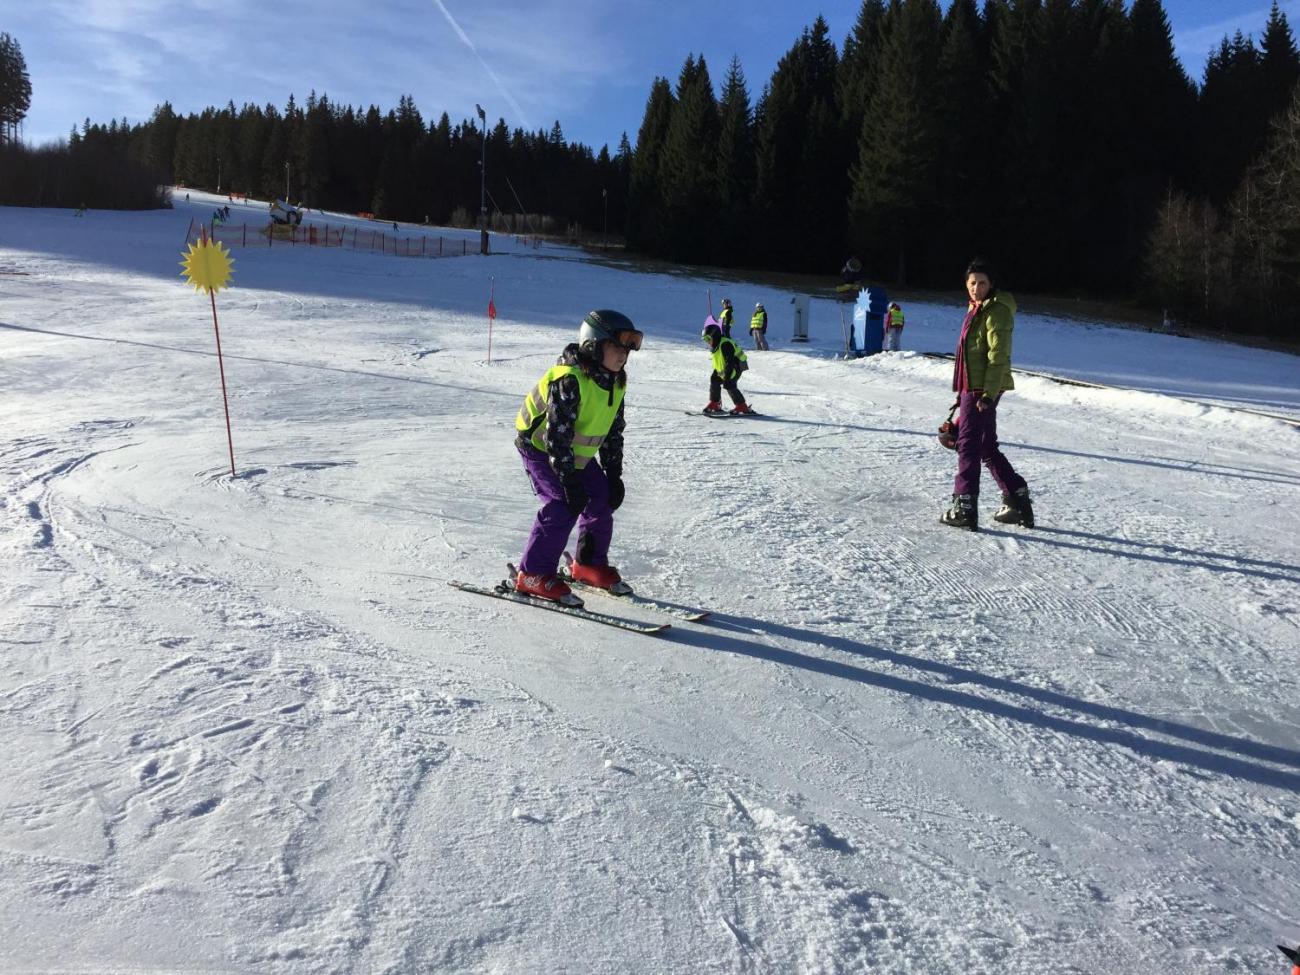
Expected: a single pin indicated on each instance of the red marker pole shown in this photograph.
(492, 314)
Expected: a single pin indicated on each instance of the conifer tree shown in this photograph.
(687, 170)
(643, 229)
(964, 117)
(734, 164)
(800, 179)
(858, 70)
(1232, 120)
(1279, 63)
(15, 89)
(894, 198)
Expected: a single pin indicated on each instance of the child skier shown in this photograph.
(893, 327)
(725, 318)
(728, 363)
(571, 417)
(758, 327)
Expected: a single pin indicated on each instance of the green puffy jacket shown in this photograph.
(987, 348)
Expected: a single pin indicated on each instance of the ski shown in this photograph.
(502, 591)
(688, 613)
(726, 415)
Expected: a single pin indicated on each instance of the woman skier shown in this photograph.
(981, 374)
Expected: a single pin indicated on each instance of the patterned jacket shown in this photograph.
(562, 404)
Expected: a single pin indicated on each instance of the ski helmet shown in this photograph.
(712, 333)
(726, 302)
(758, 306)
(605, 325)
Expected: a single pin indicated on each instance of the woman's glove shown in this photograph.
(616, 492)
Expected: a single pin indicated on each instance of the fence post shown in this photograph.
(244, 243)
(189, 230)
(440, 247)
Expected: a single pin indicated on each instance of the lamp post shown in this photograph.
(286, 181)
(604, 237)
(482, 204)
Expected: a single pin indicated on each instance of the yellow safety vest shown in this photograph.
(597, 409)
(895, 318)
(758, 321)
(719, 363)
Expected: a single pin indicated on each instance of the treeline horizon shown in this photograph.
(1062, 139)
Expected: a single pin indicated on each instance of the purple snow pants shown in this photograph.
(977, 443)
(555, 521)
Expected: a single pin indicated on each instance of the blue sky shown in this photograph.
(586, 63)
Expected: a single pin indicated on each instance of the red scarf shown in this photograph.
(959, 366)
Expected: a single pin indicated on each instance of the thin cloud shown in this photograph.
(519, 112)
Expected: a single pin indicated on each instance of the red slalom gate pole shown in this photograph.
(225, 401)
(492, 314)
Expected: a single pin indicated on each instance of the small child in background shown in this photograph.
(758, 327)
(726, 317)
(728, 363)
(893, 328)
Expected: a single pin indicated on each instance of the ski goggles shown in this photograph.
(630, 339)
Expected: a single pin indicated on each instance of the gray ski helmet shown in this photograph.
(601, 325)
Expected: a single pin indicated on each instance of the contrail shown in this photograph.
(519, 112)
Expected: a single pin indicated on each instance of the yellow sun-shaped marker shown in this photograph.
(207, 265)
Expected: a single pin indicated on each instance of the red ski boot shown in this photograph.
(712, 406)
(541, 586)
(741, 409)
(599, 577)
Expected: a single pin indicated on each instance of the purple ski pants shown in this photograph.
(555, 521)
(977, 443)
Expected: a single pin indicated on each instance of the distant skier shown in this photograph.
(728, 363)
(758, 327)
(981, 374)
(572, 416)
(893, 327)
(726, 317)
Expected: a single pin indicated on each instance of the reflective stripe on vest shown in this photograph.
(596, 412)
(719, 363)
(758, 321)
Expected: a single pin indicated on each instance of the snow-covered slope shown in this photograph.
(247, 727)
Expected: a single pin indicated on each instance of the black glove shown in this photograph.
(575, 495)
(616, 492)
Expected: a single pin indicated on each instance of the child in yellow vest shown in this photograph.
(569, 433)
(728, 363)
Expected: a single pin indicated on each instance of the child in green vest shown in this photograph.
(728, 363)
(569, 433)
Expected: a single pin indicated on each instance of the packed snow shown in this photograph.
(248, 726)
